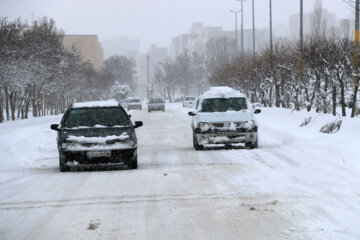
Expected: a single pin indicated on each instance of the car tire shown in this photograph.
(133, 164)
(62, 161)
(196, 145)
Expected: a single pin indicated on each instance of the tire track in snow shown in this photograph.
(42, 221)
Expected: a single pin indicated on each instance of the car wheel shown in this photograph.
(62, 162)
(133, 163)
(196, 145)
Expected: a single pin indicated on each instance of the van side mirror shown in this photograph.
(257, 111)
(138, 124)
(191, 113)
(55, 127)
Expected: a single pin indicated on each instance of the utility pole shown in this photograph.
(356, 80)
(271, 35)
(301, 42)
(242, 28)
(253, 22)
(236, 33)
(148, 76)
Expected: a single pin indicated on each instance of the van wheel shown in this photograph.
(252, 145)
(196, 145)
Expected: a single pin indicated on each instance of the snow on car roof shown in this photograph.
(222, 92)
(109, 103)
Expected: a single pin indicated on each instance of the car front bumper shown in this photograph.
(133, 107)
(154, 108)
(102, 160)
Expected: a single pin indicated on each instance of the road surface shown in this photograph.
(177, 192)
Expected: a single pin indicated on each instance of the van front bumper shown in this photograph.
(230, 137)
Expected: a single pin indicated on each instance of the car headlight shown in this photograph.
(64, 145)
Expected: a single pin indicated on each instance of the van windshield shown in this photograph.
(223, 104)
(89, 117)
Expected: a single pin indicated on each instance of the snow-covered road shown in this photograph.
(299, 184)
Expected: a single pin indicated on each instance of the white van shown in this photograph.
(224, 116)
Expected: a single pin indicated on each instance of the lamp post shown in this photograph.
(301, 42)
(356, 80)
(271, 35)
(253, 23)
(242, 27)
(236, 34)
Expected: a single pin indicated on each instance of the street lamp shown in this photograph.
(236, 34)
(271, 35)
(253, 19)
(242, 26)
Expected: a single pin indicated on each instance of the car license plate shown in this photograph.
(96, 154)
(227, 134)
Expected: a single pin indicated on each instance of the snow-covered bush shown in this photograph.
(306, 122)
(119, 91)
(332, 127)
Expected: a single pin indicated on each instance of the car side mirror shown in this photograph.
(55, 127)
(191, 113)
(129, 115)
(257, 111)
(138, 124)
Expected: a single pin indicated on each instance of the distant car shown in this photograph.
(96, 135)
(189, 102)
(156, 104)
(223, 116)
(133, 103)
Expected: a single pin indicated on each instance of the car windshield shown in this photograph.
(89, 117)
(189, 99)
(158, 100)
(133, 100)
(223, 104)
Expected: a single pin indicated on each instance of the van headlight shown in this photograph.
(204, 127)
(249, 125)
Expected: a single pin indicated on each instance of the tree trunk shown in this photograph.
(7, 103)
(277, 93)
(334, 101)
(13, 104)
(342, 97)
(325, 95)
(1, 107)
(33, 102)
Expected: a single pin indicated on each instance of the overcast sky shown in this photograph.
(155, 21)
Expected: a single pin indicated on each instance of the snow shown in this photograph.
(108, 103)
(99, 147)
(299, 184)
(222, 92)
(82, 139)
